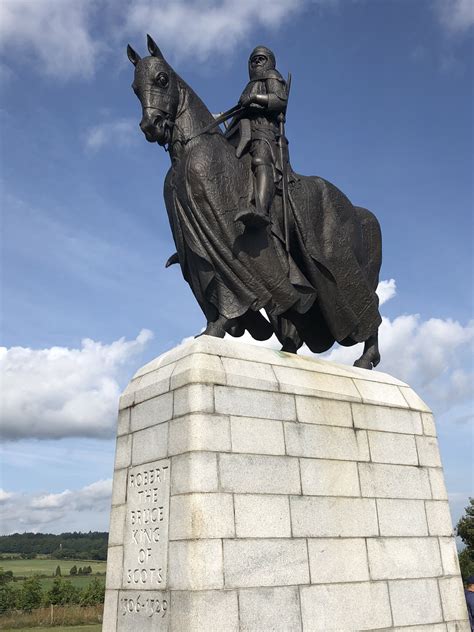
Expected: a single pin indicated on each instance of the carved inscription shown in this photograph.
(143, 611)
(146, 529)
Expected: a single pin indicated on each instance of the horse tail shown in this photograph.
(371, 252)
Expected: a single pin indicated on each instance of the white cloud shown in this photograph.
(90, 507)
(61, 392)
(386, 290)
(54, 35)
(198, 28)
(456, 16)
(58, 37)
(429, 355)
(4, 496)
(122, 133)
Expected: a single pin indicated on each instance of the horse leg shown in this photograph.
(371, 356)
(217, 328)
(286, 333)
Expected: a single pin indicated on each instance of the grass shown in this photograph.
(59, 628)
(28, 568)
(64, 617)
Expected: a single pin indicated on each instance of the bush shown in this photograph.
(63, 593)
(465, 530)
(8, 598)
(94, 593)
(31, 594)
(5, 576)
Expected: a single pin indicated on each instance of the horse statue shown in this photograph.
(312, 271)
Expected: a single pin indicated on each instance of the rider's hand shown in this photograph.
(246, 100)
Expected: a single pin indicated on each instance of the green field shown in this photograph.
(59, 628)
(28, 568)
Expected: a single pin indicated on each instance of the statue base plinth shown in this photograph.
(258, 490)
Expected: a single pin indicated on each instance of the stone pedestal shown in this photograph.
(257, 490)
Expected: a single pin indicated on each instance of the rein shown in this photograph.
(237, 109)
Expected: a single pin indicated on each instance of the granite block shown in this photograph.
(257, 436)
(338, 560)
(259, 474)
(403, 558)
(152, 412)
(320, 477)
(262, 516)
(195, 565)
(345, 607)
(415, 601)
(439, 518)
(325, 442)
(194, 472)
(199, 431)
(270, 610)
(269, 562)
(203, 611)
(402, 517)
(393, 481)
(386, 419)
(201, 516)
(254, 403)
(313, 517)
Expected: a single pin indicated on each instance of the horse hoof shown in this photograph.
(376, 360)
(237, 330)
(290, 347)
(252, 219)
(363, 363)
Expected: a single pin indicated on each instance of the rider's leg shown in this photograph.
(264, 186)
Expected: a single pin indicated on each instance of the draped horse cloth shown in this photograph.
(327, 286)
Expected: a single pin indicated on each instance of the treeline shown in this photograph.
(31, 595)
(80, 546)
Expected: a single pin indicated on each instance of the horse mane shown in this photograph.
(192, 113)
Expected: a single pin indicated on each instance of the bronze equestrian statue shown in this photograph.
(310, 259)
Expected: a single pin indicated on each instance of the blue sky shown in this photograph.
(381, 105)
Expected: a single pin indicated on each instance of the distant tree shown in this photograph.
(73, 570)
(87, 570)
(31, 594)
(465, 530)
(73, 546)
(94, 593)
(57, 572)
(80, 571)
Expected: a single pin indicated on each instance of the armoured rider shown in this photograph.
(263, 99)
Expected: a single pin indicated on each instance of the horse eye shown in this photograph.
(162, 79)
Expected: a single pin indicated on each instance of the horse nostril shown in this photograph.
(157, 120)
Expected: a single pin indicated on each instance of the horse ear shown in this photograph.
(152, 47)
(132, 55)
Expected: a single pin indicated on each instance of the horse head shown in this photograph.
(156, 86)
